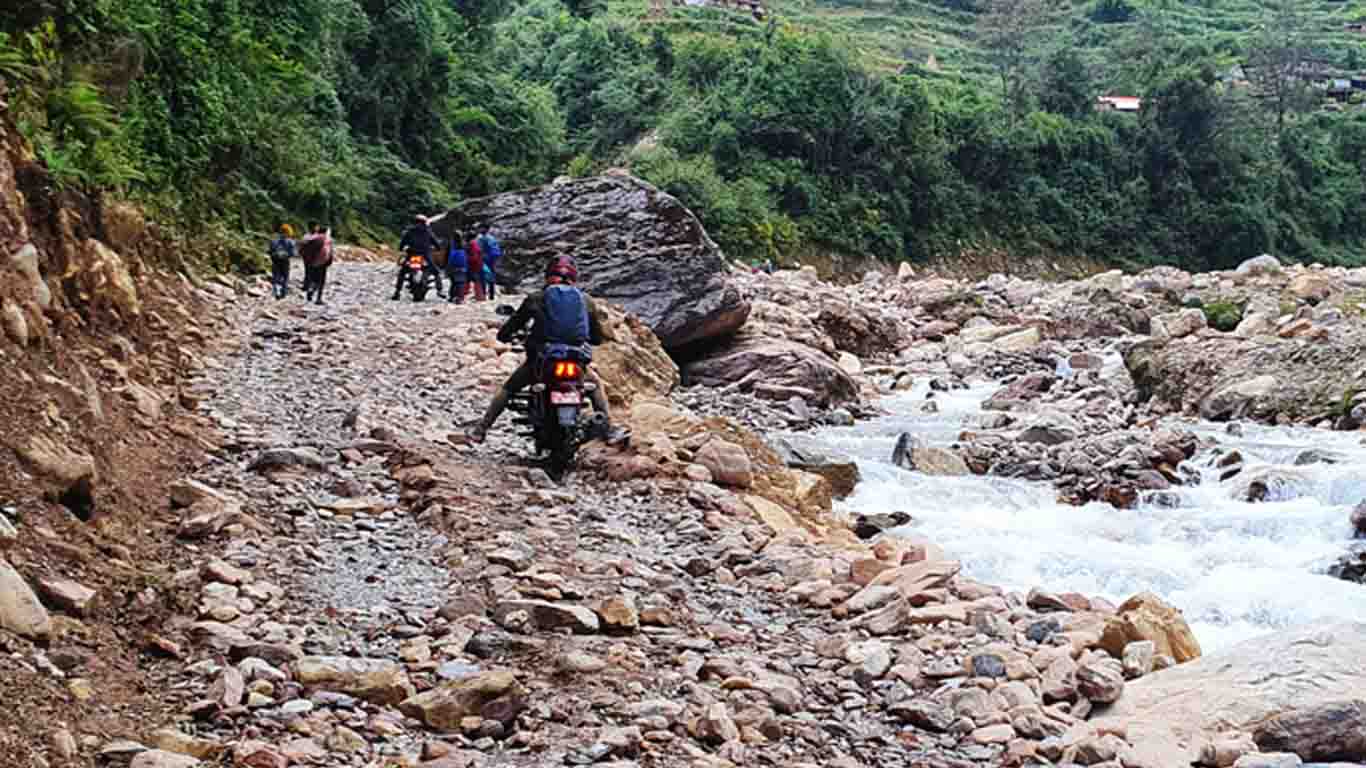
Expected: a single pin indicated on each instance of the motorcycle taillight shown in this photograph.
(566, 369)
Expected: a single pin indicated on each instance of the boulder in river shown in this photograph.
(911, 453)
(1171, 714)
(635, 246)
(774, 369)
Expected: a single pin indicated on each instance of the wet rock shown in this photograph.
(868, 526)
(911, 453)
(635, 246)
(1271, 484)
(843, 476)
(445, 706)
(20, 610)
(1147, 617)
(375, 680)
(528, 615)
(1333, 731)
(1358, 520)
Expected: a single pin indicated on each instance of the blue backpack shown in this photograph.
(493, 251)
(565, 313)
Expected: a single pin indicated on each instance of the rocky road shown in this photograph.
(354, 555)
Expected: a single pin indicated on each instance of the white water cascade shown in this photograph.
(1236, 569)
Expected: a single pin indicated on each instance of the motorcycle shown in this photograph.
(554, 406)
(421, 275)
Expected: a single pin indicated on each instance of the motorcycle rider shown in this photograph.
(418, 238)
(560, 271)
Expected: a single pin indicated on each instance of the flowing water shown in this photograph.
(1236, 569)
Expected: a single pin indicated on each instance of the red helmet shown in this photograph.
(562, 267)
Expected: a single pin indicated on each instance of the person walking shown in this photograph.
(493, 252)
(457, 268)
(281, 252)
(475, 268)
(317, 254)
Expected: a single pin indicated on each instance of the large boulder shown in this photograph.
(635, 246)
(376, 680)
(1254, 686)
(773, 367)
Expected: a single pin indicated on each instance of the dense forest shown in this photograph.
(226, 116)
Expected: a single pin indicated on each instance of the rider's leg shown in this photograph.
(519, 380)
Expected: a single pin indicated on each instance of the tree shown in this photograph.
(1067, 87)
(1008, 31)
(1278, 64)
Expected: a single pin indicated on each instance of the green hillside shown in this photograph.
(822, 128)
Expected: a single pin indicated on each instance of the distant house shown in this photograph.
(1129, 104)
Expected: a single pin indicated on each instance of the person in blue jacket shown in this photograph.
(457, 261)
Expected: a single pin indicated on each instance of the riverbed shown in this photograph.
(1236, 569)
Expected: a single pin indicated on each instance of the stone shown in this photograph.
(186, 493)
(445, 706)
(727, 462)
(157, 758)
(1138, 658)
(911, 453)
(715, 726)
(378, 681)
(635, 246)
(25, 261)
(1265, 264)
(277, 459)
(67, 474)
(871, 659)
(1101, 681)
(994, 734)
(16, 325)
(843, 476)
(106, 277)
(172, 740)
(1170, 715)
(526, 615)
(1358, 520)
(773, 365)
(66, 595)
(1147, 617)
(257, 754)
(619, 614)
(64, 745)
(631, 363)
(217, 570)
(1232, 401)
(1332, 731)
(1312, 287)
(1060, 680)
(20, 610)
(850, 363)
(228, 690)
(1226, 749)
(923, 713)
(1269, 760)
(1176, 325)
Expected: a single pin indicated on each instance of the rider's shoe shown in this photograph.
(394, 297)
(476, 434)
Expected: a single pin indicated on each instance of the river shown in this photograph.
(1236, 569)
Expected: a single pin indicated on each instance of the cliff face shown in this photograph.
(96, 418)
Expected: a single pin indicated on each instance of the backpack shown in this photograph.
(280, 248)
(312, 250)
(564, 315)
(493, 251)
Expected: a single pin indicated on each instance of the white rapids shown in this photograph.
(1236, 569)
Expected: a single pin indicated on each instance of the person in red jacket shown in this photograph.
(475, 269)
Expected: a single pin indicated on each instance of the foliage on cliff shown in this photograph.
(228, 115)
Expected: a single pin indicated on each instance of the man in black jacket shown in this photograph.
(561, 271)
(419, 238)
